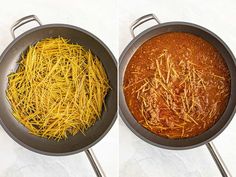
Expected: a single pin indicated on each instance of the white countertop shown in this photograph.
(139, 159)
(16, 161)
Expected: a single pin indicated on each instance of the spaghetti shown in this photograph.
(58, 89)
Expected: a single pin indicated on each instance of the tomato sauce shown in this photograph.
(177, 85)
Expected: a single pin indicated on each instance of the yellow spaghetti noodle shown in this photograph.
(58, 89)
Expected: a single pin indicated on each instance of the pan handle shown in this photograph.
(95, 164)
(142, 20)
(218, 160)
(23, 21)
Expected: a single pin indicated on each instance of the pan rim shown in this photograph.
(53, 25)
(122, 103)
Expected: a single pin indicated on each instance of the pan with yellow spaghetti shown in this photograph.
(58, 88)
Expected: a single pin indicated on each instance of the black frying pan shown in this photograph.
(8, 63)
(150, 137)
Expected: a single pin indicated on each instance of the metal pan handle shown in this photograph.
(218, 160)
(95, 164)
(142, 20)
(23, 21)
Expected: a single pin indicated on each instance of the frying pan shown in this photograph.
(208, 135)
(8, 64)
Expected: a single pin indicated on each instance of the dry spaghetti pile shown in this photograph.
(58, 89)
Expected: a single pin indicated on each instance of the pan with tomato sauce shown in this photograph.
(176, 85)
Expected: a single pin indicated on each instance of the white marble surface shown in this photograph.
(140, 159)
(15, 161)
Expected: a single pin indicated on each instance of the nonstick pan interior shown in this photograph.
(79, 142)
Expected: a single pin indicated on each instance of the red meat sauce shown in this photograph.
(177, 85)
